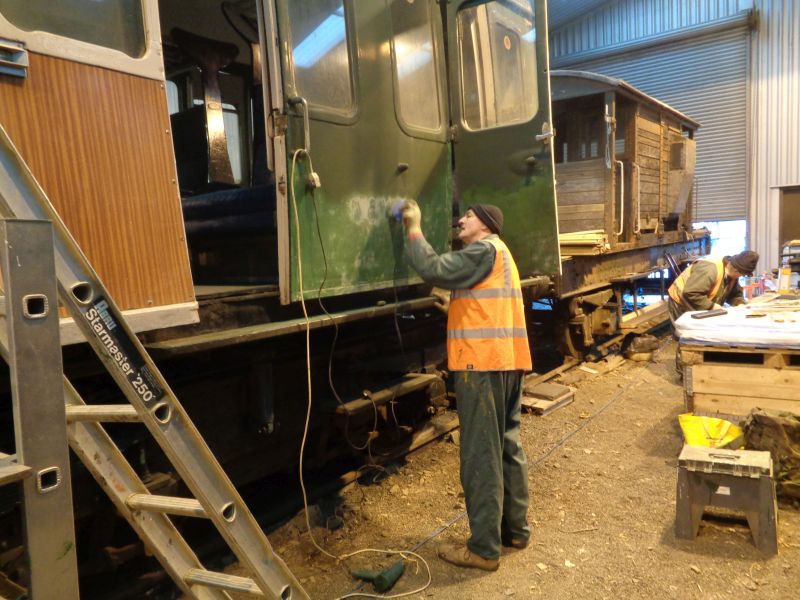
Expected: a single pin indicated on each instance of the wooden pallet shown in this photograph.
(733, 380)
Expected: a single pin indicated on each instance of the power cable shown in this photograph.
(404, 554)
(335, 339)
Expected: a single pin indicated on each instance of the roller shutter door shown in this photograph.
(705, 78)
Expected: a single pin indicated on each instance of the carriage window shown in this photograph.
(320, 53)
(498, 63)
(415, 69)
(116, 24)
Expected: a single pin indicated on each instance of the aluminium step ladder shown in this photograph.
(30, 345)
(154, 404)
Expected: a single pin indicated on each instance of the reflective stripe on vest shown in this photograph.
(486, 323)
(676, 289)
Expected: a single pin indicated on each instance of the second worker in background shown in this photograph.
(488, 354)
(710, 283)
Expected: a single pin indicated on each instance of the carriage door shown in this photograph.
(500, 106)
(357, 94)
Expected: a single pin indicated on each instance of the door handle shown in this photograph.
(13, 58)
(294, 101)
(547, 133)
(530, 161)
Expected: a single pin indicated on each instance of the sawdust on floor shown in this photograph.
(602, 479)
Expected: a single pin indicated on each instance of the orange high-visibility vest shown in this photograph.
(676, 289)
(486, 323)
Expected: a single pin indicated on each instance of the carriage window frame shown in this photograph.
(149, 65)
(416, 130)
(533, 72)
(120, 24)
(316, 110)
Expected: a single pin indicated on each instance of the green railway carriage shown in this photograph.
(229, 169)
(362, 93)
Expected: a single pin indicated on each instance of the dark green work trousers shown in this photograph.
(494, 471)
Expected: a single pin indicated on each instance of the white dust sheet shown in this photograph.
(772, 321)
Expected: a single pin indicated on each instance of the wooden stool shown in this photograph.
(733, 479)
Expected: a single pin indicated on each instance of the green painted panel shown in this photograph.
(500, 102)
(362, 245)
(365, 157)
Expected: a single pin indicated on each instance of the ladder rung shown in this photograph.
(9, 473)
(223, 581)
(171, 505)
(102, 413)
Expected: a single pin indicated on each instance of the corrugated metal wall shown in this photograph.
(692, 54)
(775, 101)
(560, 12)
(705, 78)
(627, 21)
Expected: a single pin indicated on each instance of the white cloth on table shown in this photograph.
(775, 327)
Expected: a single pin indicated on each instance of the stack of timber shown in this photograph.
(584, 243)
(583, 193)
(729, 380)
(544, 398)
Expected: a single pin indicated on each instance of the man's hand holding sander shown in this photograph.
(412, 219)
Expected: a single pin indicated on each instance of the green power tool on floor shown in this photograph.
(382, 580)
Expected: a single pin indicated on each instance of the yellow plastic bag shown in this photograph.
(710, 432)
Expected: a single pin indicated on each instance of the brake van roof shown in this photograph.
(567, 83)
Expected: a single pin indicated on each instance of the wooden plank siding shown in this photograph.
(649, 158)
(99, 143)
(581, 195)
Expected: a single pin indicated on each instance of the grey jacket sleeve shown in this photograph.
(461, 269)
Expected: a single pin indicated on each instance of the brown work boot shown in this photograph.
(515, 543)
(461, 556)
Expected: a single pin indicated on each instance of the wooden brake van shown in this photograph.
(624, 168)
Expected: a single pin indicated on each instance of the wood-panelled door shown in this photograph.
(89, 117)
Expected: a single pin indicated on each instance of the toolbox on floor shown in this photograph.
(739, 480)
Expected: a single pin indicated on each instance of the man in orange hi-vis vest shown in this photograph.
(488, 353)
